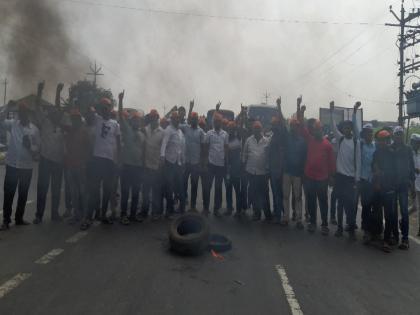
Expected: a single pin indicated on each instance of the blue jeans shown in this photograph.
(276, 182)
(401, 199)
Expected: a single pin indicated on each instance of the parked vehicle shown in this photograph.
(263, 113)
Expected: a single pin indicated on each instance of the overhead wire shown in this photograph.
(215, 16)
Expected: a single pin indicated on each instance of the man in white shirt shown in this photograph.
(194, 139)
(102, 167)
(217, 141)
(255, 159)
(23, 148)
(348, 171)
(50, 167)
(152, 168)
(172, 155)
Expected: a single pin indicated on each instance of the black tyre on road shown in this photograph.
(189, 234)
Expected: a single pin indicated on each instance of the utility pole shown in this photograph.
(5, 83)
(95, 72)
(266, 97)
(403, 21)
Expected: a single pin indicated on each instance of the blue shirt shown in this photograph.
(367, 151)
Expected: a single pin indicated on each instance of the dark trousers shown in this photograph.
(205, 187)
(174, 179)
(276, 182)
(401, 200)
(67, 191)
(346, 193)
(244, 190)
(216, 173)
(15, 178)
(333, 204)
(152, 185)
(193, 171)
(258, 191)
(48, 171)
(101, 175)
(231, 184)
(77, 185)
(387, 201)
(317, 190)
(131, 177)
(372, 216)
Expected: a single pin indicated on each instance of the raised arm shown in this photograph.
(120, 105)
(278, 103)
(337, 134)
(356, 131)
(60, 87)
(219, 103)
(190, 110)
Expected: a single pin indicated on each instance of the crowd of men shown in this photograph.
(164, 160)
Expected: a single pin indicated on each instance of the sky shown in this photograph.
(161, 60)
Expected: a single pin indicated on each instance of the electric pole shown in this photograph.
(403, 21)
(95, 72)
(5, 83)
(266, 97)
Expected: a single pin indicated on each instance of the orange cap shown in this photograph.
(257, 125)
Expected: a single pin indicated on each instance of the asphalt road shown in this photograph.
(270, 270)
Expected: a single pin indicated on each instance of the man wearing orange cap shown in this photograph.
(319, 169)
(233, 174)
(50, 167)
(276, 152)
(103, 165)
(23, 147)
(172, 155)
(152, 168)
(77, 152)
(255, 160)
(384, 182)
(194, 140)
(132, 151)
(217, 144)
(295, 158)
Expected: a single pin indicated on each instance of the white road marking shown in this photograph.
(76, 237)
(415, 240)
(290, 294)
(49, 256)
(13, 283)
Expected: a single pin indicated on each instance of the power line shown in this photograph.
(221, 17)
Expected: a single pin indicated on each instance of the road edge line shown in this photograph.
(13, 283)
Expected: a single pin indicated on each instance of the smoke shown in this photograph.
(36, 46)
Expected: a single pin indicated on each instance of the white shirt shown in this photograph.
(217, 142)
(345, 154)
(173, 145)
(17, 155)
(52, 141)
(416, 157)
(153, 145)
(255, 155)
(105, 138)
